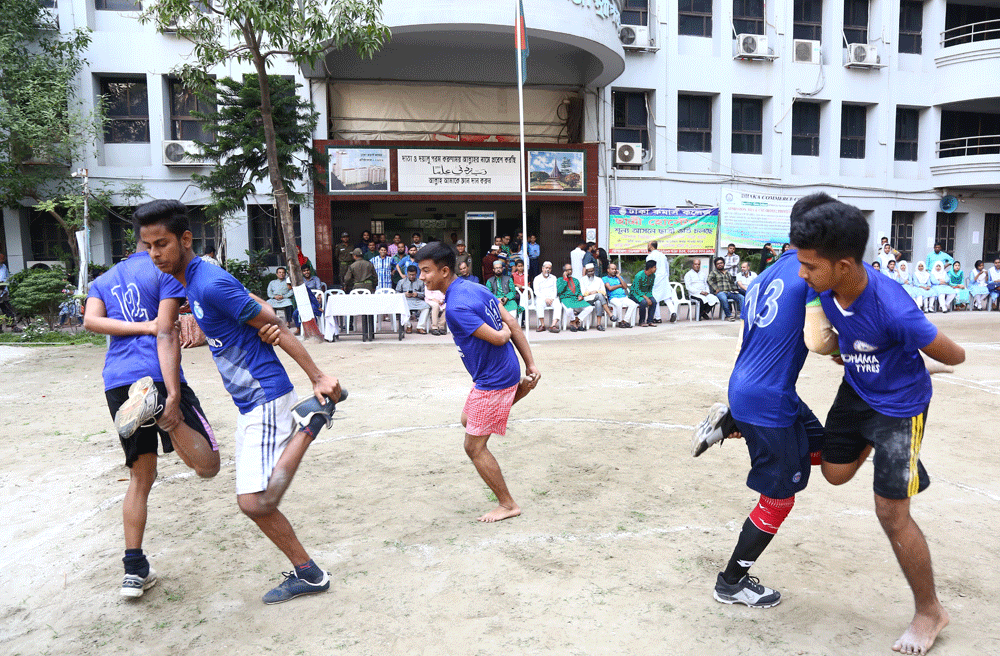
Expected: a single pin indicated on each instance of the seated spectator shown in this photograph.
(315, 287)
(942, 289)
(571, 297)
(547, 298)
(615, 287)
(876, 265)
(696, 282)
(745, 277)
(642, 294)
(993, 282)
(209, 255)
(279, 296)
(311, 281)
(435, 299)
(733, 261)
(463, 272)
(724, 287)
(501, 285)
(956, 280)
(414, 290)
(904, 279)
(923, 288)
(594, 294)
(977, 286)
(889, 270)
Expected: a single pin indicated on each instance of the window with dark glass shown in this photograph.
(901, 234)
(856, 21)
(853, 126)
(969, 133)
(118, 5)
(631, 120)
(748, 125)
(945, 232)
(694, 17)
(202, 231)
(805, 129)
(911, 23)
(127, 110)
(183, 125)
(991, 237)
(265, 231)
(807, 20)
(118, 226)
(694, 124)
(748, 17)
(48, 239)
(963, 23)
(907, 126)
(635, 12)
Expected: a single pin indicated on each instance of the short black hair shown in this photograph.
(654, 244)
(733, 245)
(833, 229)
(650, 264)
(209, 246)
(171, 214)
(441, 255)
(719, 259)
(412, 267)
(416, 234)
(937, 243)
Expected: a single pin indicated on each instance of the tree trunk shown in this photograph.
(74, 250)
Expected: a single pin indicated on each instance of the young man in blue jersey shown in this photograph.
(782, 434)
(273, 432)
(883, 400)
(484, 333)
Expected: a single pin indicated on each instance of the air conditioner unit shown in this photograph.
(634, 37)
(42, 264)
(751, 45)
(182, 153)
(862, 54)
(628, 154)
(806, 51)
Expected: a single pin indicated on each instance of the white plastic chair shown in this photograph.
(528, 303)
(682, 299)
(393, 317)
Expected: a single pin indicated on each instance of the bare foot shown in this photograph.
(919, 636)
(500, 513)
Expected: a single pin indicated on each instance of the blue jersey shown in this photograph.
(250, 369)
(762, 385)
(469, 306)
(131, 291)
(880, 334)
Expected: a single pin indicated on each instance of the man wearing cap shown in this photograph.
(361, 275)
(545, 286)
(342, 255)
(488, 261)
(461, 255)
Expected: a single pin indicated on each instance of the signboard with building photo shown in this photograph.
(452, 171)
(555, 171)
(677, 231)
(354, 169)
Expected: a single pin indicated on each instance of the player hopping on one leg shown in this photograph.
(483, 331)
(270, 442)
(883, 400)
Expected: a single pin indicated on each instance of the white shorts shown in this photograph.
(261, 437)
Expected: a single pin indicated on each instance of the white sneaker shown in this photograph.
(140, 409)
(709, 431)
(748, 591)
(134, 585)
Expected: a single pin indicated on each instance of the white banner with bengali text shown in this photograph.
(436, 171)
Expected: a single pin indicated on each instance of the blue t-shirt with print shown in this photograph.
(250, 369)
(762, 385)
(469, 306)
(880, 335)
(131, 291)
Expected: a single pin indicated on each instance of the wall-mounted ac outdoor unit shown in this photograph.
(806, 51)
(628, 154)
(182, 153)
(634, 37)
(751, 45)
(862, 55)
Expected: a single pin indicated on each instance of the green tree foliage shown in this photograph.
(239, 148)
(39, 293)
(43, 128)
(251, 273)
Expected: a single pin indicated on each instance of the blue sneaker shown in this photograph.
(293, 587)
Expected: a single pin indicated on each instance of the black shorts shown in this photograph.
(780, 458)
(144, 440)
(852, 425)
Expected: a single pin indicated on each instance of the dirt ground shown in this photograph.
(617, 551)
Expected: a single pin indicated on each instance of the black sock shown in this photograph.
(315, 424)
(136, 563)
(309, 572)
(748, 549)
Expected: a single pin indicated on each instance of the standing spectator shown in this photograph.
(545, 286)
(724, 287)
(576, 259)
(590, 257)
(696, 282)
(279, 296)
(615, 287)
(461, 255)
(502, 287)
(896, 254)
(594, 293)
(366, 237)
(977, 286)
(732, 260)
(534, 253)
(662, 289)
(938, 256)
(767, 257)
(342, 256)
(505, 247)
(362, 275)
(372, 252)
(517, 242)
(488, 261)
(414, 290)
(571, 297)
(383, 267)
(418, 241)
(993, 282)
(745, 277)
(642, 293)
(4, 271)
(402, 262)
(517, 275)
(396, 246)
(209, 255)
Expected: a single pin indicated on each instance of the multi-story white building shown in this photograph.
(888, 104)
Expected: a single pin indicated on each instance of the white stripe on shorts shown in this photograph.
(261, 437)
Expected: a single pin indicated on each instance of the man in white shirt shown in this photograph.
(696, 282)
(576, 259)
(546, 298)
(662, 289)
(732, 261)
(745, 277)
(993, 282)
(594, 293)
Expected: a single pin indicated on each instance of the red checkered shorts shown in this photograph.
(487, 411)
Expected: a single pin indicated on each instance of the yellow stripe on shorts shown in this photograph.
(916, 435)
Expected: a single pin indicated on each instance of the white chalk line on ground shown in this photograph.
(979, 386)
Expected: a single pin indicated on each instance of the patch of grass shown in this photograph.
(54, 338)
(490, 496)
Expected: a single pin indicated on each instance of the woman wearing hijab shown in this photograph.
(956, 280)
(923, 287)
(767, 257)
(903, 278)
(942, 287)
(977, 286)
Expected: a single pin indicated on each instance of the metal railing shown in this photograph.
(982, 31)
(983, 144)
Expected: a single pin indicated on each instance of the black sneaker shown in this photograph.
(673, 317)
(293, 587)
(748, 591)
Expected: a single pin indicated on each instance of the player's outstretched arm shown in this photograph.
(521, 344)
(944, 349)
(323, 385)
(168, 350)
(96, 320)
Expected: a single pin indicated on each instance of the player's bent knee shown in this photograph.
(475, 445)
(837, 474)
(254, 506)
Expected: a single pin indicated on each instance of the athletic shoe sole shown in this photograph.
(133, 587)
(140, 407)
(730, 600)
(748, 592)
(708, 432)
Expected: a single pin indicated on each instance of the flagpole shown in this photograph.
(525, 176)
